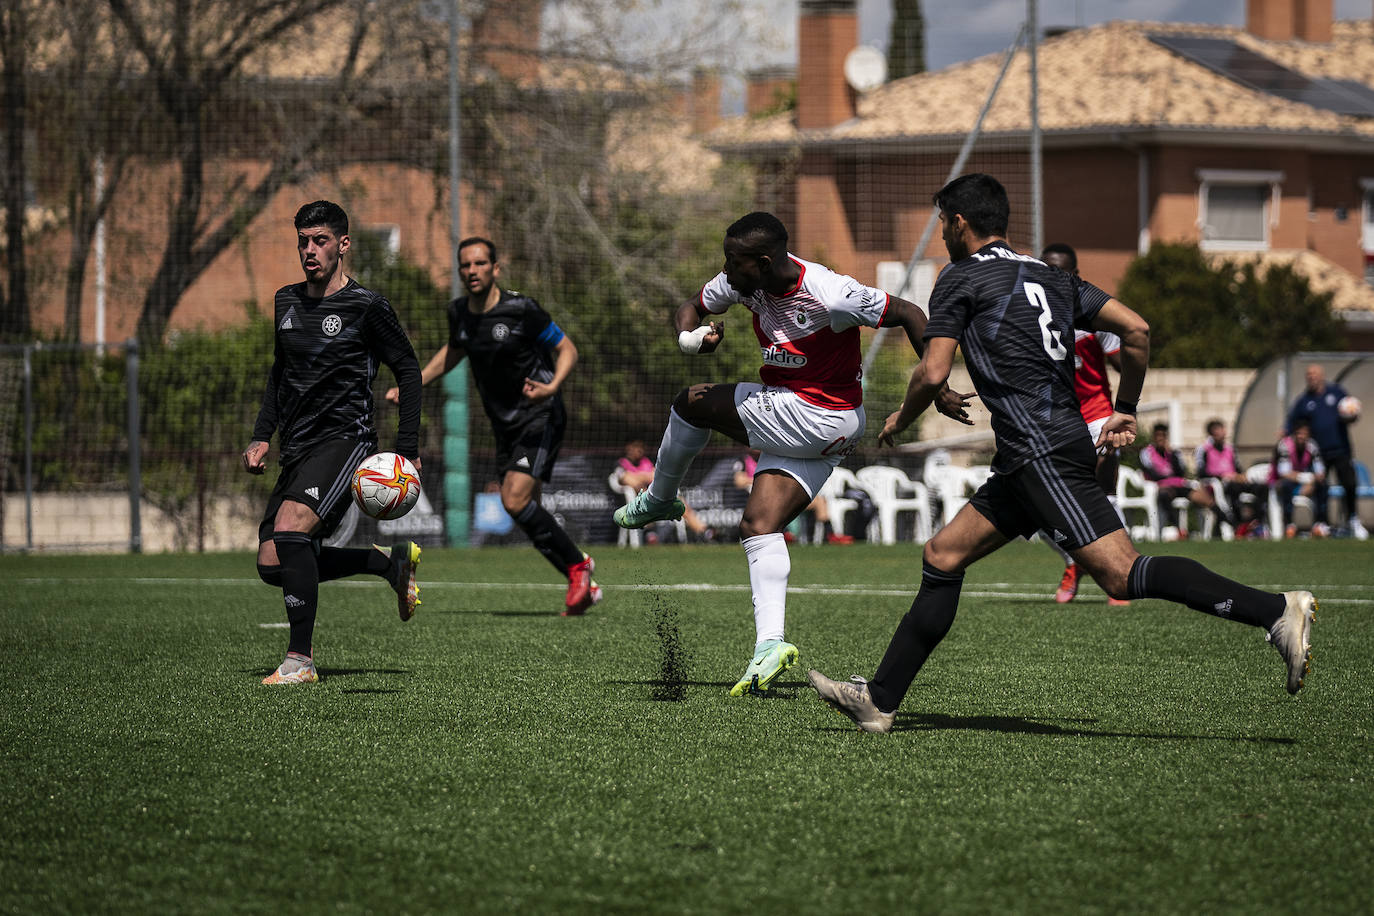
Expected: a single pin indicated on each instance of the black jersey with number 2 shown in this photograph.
(1014, 316)
(506, 344)
(327, 353)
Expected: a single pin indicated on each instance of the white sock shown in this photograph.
(681, 443)
(769, 567)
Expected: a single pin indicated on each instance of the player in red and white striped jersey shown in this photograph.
(804, 418)
(1093, 351)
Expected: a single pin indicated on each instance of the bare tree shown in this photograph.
(195, 53)
(92, 80)
(14, 41)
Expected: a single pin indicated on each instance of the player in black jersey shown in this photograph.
(331, 334)
(519, 360)
(1014, 317)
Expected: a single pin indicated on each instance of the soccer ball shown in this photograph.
(1349, 408)
(386, 485)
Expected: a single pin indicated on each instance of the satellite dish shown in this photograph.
(865, 68)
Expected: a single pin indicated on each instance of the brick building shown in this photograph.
(1252, 142)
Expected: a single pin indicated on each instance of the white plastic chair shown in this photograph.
(840, 505)
(1133, 491)
(1209, 521)
(887, 486)
(1259, 473)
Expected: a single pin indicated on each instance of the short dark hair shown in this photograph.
(1213, 424)
(980, 199)
(766, 227)
(1300, 424)
(479, 240)
(1159, 428)
(323, 213)
(1061, 248)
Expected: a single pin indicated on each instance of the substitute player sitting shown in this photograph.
(805, 417)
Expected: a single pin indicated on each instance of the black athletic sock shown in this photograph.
(549, 539)
(338, 562)
(300, 586)
(917, 635)
(1188, 582)
(270, 574)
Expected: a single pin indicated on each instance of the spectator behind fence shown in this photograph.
(1163, 464)
(1319, 406)
(635, 470)
(1298, 470)
(1216, 460)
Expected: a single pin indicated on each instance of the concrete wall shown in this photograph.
(1201, 395)
(99, 522)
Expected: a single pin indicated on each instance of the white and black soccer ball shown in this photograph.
(1349, 408)
(386, 485)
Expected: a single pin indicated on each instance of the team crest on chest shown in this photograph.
(331, 325)
(801, 317)
(499, 332)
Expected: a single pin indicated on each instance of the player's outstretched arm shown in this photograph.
(443, 360)
(912, 321)
(928, 378)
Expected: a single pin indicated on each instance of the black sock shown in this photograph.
(270, 574)
(1188, 582)
(300, 586)
(549, 539)
(338, 562)
(917, 635)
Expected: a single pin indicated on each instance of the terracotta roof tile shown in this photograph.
(1107, 77)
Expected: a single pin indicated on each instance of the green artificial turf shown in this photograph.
(491, 756)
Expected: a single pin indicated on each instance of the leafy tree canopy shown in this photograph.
(1225, 314)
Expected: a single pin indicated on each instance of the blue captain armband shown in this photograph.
(552, 336)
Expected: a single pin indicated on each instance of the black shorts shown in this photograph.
(532, 448)
(1058, 493)
(320, 479)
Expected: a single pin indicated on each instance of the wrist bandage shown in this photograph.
(690, 341)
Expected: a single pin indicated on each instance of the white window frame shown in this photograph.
(1208, 178)
(1367, 215)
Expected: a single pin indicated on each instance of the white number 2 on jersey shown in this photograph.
(1048, 336)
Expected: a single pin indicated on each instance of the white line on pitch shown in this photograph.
(990, 589)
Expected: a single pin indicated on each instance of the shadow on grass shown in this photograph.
(781, 690)
(332, 672)
(1020, 725)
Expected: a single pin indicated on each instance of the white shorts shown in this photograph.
(798, 438)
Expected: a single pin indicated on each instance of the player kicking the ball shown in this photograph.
(331, 334)
(1014, 317)
(805, 417)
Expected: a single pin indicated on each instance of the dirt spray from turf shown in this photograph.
(673, 658)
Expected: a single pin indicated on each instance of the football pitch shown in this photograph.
(490, 756)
